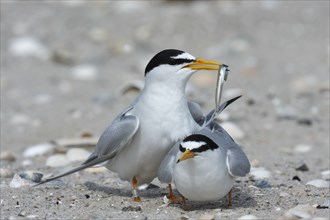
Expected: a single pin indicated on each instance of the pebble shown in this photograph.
(84, 72)
(255, 163)
(31, 175)
(131, 209)
(27, 178)
(57, 160)
(302, 148)
(284, 194)
(325, 204)
(77, 154)
(305, 84)
(28, 47)
(63, 56)
(98, 35)
(6, 173)
(319, 183)
(7, 156)
(19, 119)
(233, 130)
(248, 217)
(300, 211)
(286, 113)
(302, 167)
(326, 174)
(43, 99)
(260, 173)
(206, 217)
(262, 184)
(39, 149)
(96, 170)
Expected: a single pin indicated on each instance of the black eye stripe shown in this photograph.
(182, 149)
(210, 145)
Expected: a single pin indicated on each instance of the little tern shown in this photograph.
(138, 139)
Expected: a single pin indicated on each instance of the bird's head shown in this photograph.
(194, 145)
(172, 64)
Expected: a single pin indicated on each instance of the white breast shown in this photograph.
(204, 177)
(162, 123)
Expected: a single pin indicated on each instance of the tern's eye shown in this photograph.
(182, 149)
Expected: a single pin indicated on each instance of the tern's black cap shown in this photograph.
(166, 57)
(209, 143)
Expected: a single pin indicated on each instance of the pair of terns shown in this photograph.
(161, 123)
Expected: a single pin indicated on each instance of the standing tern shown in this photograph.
(138, 139)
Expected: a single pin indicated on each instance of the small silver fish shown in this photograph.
(222, 77)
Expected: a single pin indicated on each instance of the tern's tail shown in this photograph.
(85, 165)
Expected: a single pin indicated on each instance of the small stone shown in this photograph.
(260, 173)
(300, 211)
(325, 204)
(319, 183)
(296, 178)
(43, 99)
(326, 174)
(96, 170)
(206, 217)
(28, 46)
(305, 84)
(302, 148)
(305, 121)
(286, 113)
(84, 72)
(22, 213)
(63, 56)
(19, 119)
(255, 163)
(302, 167)
(38, 150)
(262, 184)
(77, 154)
(248, 217)
(131, 209)
(27, 178)
(31, 175)
(233, 130)
(6, 173)
(7, 156)
(284, 194)
(57, 160)
(98, 35)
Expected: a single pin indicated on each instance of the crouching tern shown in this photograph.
(138, 139)
(203, 166)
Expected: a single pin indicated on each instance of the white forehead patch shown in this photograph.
(184, 56)
(192, 144)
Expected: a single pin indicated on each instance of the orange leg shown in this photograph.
(171, 195)
(135, 196)
(184, 203)
(229, 198)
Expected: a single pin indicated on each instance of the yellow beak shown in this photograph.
(201, 64)
(186, 155)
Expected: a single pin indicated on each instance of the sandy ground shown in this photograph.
(278, 53)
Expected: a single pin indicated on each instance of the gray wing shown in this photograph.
(196, 112)
(165, 170)
(237, 162)
(112, 140)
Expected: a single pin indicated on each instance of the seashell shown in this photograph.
(7, 156)
(6, 173)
